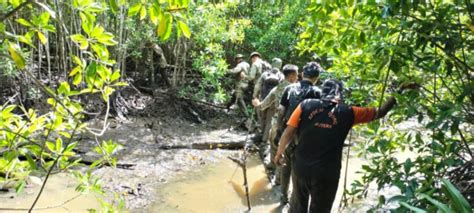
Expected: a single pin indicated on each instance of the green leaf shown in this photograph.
(77, 60)
(412, 208)
(81, 40)
(64, 88)
(185, 29)
(20, 186)
(15, 53)
(115, 76)
(456, 197)
(87, 22)
(50, 146)
(30, 160)
(26, 40)
(75, 71)
(142, 13)
(107, 92)
(438, 204)
(164, 29)
(2, 27)
(42, 37)
(132, 11)
(97, 32)
(113, 6)
(24, 22)
(44, 18)
(59, 145)
(107, 39)
(49, 28)
(77, 79)
(154, 12)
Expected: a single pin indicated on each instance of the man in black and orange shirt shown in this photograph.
(322, 126)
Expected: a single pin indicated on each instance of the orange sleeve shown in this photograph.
(294, 120)
(363, 114)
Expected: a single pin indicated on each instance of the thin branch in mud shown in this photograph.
(51, 169)
(106, 124)
(43, 208)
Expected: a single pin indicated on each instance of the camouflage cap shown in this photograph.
(277, 63)
(255, 54)
(238, 56)
(289, 68)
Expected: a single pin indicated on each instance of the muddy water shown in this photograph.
(58, 196)
(217, 189)
(214, 189)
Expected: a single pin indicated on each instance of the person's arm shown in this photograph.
(258, 87)
(280, 114)
(365, 114)
(252, 73)
(288, 134)
(268, 101)
(390, 103)
(285, 139)
(236, 69)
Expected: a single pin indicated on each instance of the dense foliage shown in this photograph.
(81, 61)
(376, 46)
(58, 55)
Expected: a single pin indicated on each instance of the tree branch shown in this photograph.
(12, 12)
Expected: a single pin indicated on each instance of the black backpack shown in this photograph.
(270, 80)
(297, 94)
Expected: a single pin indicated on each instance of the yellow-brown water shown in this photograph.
(213, 190)
(217, 189)
(58, 196)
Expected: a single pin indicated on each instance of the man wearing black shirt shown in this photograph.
(322, 126)
(291, 98)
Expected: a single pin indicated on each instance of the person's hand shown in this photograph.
(255, 102)
(276, 160)
(279, 160)
(242, 75)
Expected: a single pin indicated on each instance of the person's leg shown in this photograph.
(323, 191)
(242, 105)
(267, 123)
(232, 100)
(285, 177)
(300, 194)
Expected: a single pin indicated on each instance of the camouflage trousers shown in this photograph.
(239, 94)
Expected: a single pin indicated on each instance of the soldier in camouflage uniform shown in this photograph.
(272, 103)
(260, 91)
(269, 79)
(241, 83)
(256, 68)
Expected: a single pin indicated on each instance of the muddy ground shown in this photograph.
(157, 122)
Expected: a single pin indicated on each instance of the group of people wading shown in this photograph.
(303, 125)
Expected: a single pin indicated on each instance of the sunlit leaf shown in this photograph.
(42, 37)
(24, 22)
(185, 29)
(165, 26)
(15, 53)
(113, 6)
(132, 11)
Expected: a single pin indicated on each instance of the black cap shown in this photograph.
(312, 69)
(332, 89)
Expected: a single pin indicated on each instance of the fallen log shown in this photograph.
(206, 146)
